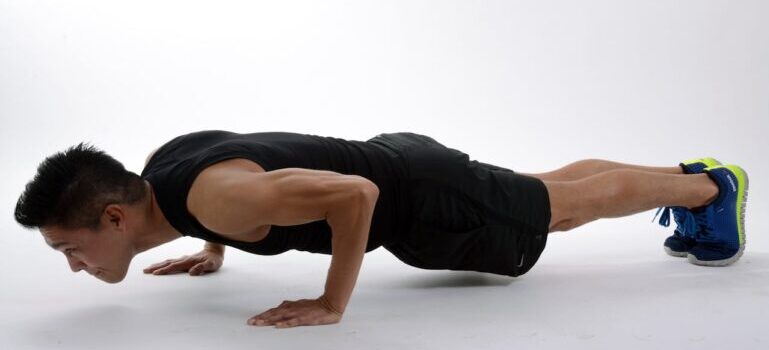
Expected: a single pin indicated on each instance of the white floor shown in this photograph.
(600, 285)
(530, 85)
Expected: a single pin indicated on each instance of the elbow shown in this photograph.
(366, 194)
(358, 204)
(368, 189)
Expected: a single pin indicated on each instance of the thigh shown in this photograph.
(469, 215)
(503, 250)
(488, 194)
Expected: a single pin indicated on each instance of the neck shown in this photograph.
(157, 230)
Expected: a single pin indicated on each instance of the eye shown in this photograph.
(68, 251)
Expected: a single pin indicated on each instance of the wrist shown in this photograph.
(216, 249)
(328, 305)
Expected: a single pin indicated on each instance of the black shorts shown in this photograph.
(468, 215)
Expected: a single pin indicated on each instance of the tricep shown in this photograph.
(236, 202)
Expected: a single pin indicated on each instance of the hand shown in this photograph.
(304, 312)
(197, 264)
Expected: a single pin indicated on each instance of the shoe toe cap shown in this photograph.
(679, 243)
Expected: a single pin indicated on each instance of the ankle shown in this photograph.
(708, 191)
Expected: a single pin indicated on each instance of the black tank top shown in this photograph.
(174, 166)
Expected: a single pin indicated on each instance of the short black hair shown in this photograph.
(72, 188)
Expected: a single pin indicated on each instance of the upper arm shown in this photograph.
(236, 202)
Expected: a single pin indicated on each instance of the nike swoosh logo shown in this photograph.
(521, 263)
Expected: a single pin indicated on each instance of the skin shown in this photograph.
(591, 189)
(579, 193)
(125, 231)
(235, 201)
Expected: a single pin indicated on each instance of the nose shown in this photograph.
(75, 264)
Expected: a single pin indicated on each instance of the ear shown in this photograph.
(114, 217)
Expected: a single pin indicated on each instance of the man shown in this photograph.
(428, 204)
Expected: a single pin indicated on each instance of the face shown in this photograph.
(106, 254)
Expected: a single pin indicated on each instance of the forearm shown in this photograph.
(214, 247)
(350, 230)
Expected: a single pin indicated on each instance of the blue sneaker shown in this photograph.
(721, 239)
(683, 238)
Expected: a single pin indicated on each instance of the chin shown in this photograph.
(110, 279)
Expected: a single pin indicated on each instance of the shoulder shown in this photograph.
(213, 186)
(216, 177)
(203, 137)
(234, 199)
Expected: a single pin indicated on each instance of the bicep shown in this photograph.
(284, 197)
(296, 196)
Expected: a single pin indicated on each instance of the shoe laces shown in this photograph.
(705, 221)
(688, 223)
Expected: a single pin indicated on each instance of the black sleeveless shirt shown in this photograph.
(175, 165)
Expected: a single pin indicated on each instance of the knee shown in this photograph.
(591, 166)
(565, 209)
(617, 184)
(580, 169)
(584, 163)
(598, 196)
(563, 225)
(575, 203)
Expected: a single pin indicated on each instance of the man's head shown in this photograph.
(86, 205)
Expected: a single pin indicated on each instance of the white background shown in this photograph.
(529, 85)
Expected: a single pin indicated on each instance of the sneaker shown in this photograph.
(721, 239)
(683, 238)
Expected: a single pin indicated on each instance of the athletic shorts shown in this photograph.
(467, 215)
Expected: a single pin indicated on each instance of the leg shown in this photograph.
(623, 192)
(588, 167)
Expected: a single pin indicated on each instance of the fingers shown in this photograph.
(196, 265)
(201, 268)
(274, 313)
(297, 321)
(293, 319)
(156, 266)
(173, 267)
(273, 318)
(269, 313)
(295, 313)
(179, 266)
(281, 317)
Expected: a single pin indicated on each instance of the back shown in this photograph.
(174, 166)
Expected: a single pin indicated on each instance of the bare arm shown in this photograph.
(211, 247)
(234, 202)
(350, 224)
